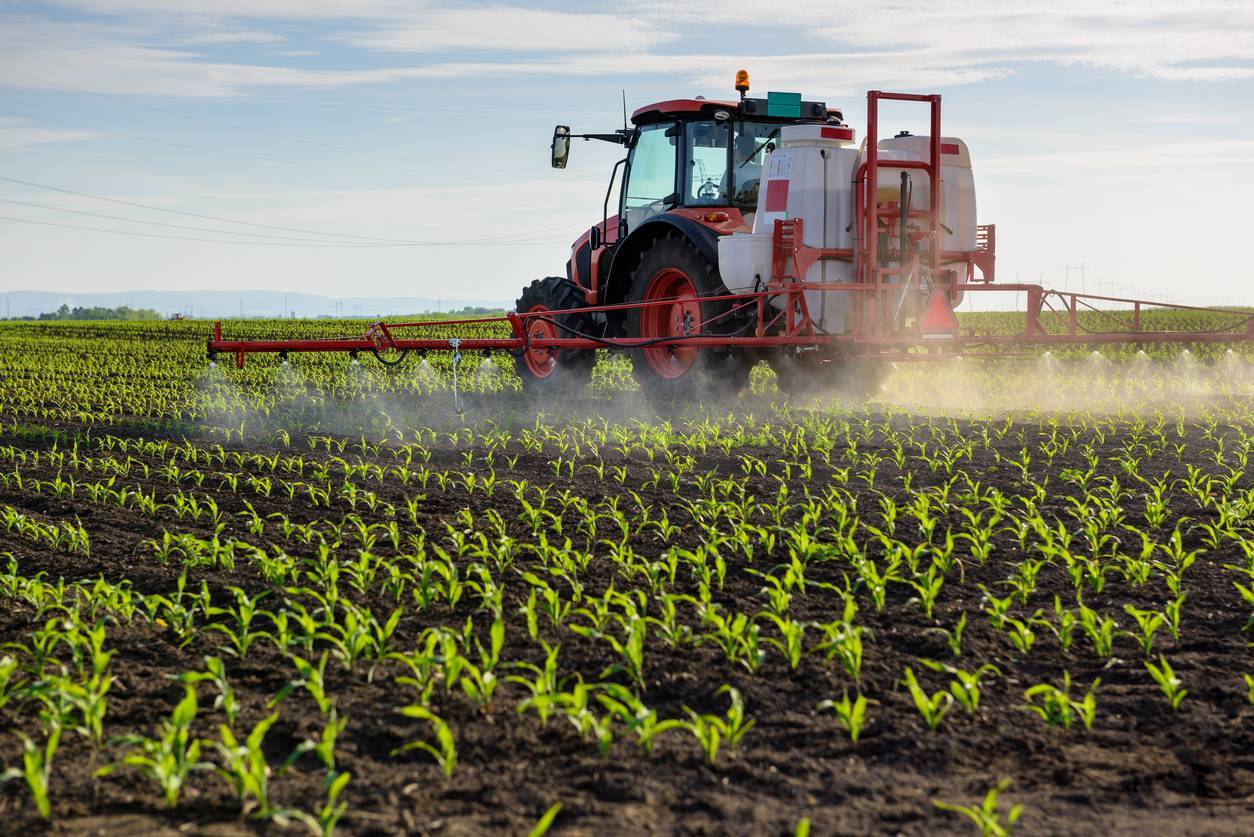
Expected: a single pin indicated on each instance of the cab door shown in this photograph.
(651, 184)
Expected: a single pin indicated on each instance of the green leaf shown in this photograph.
(545, 822)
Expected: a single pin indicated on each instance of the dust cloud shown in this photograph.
(1078, 383)
(395, 404)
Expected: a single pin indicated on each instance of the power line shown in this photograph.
(171, 237)
(504, 239)
(204, 148)
(199, 215)
(175, 226)
(221, 240)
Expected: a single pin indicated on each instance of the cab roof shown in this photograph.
(705, 109)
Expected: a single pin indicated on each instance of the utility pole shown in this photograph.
(1067, 268)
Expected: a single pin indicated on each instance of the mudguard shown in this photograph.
(628, 251)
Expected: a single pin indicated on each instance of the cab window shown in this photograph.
(707, 182)
(651, 174)
(753, 142)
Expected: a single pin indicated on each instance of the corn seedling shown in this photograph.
(36, 766)
(850, 714)
(1148, 621)
(1166, 679)
(244, 767)
(445, 749)
(169, 758)
(1056, 706)
(932, 707)
(985, 815)
(965, 687)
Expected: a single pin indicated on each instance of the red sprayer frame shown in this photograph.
(903, 297)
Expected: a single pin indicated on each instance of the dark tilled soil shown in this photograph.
(1142, 769)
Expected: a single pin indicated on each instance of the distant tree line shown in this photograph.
(122, 312)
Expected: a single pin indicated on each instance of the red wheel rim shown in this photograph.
(540, 362)
(679, 316)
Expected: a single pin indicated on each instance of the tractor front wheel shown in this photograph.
(545, 370)
(679, 282)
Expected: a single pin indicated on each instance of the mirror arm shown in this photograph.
(618, 137)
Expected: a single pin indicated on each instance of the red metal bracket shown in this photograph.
(382, 338)
(985, 255)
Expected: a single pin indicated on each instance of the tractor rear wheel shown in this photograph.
(544, 370)
(673, 271)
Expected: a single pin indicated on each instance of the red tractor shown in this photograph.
(691, 175)
(758, 230)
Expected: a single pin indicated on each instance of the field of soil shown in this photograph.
(1143, 768)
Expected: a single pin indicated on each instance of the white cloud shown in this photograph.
(43, 56)
(840, 48)
(240, 9)
(1205, 73)
(512, 29)
(19, 135)
(1142, 161)
(231, 37)
(1152, 37)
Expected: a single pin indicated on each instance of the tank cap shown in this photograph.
(903, 134)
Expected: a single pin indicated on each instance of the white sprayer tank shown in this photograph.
(808, 177)
(957, 186)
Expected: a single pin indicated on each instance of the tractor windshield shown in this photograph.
(724, 162)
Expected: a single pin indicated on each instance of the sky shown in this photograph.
(395, 147)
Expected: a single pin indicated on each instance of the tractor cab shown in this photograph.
(700, 154)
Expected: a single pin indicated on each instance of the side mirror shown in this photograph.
(561, 146)
(594, 237)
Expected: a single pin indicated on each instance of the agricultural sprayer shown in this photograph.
(760, 229)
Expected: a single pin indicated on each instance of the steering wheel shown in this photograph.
(708, 191)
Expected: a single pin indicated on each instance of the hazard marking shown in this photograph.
(777, 195)
(938, 320)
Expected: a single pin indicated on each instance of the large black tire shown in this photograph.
(567, 369)
(669, 373)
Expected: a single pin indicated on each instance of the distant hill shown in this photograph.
(232, 303)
